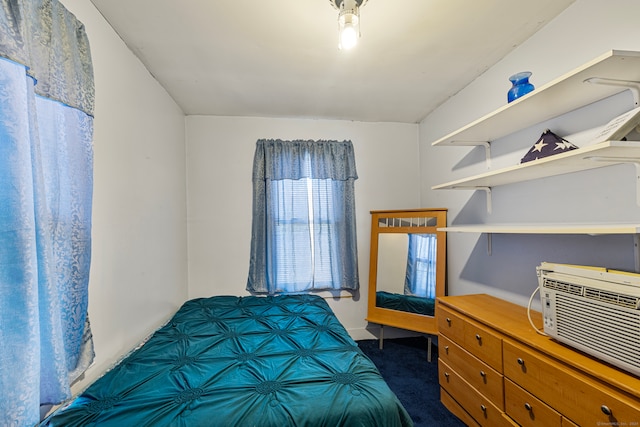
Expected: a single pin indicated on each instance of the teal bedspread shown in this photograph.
(408, 303)
(242, 361)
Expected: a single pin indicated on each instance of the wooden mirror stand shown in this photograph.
(390, 301)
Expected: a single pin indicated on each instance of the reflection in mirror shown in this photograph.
(406, 278)
(392, 262)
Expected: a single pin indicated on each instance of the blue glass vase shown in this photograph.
(521, 85)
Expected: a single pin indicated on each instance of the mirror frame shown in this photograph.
(401, 319)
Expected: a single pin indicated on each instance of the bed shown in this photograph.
(241, 361)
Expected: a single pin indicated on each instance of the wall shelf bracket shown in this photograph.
(637, 164)
(487, 190)
(633, 86)
(636, 251)
(487, 153)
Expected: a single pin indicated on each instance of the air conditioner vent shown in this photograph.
(558, 285)
(612, 298)
(603, 330)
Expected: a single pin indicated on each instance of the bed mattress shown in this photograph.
(242, 361)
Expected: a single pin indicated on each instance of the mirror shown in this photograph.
(407, 268)
(406, 279)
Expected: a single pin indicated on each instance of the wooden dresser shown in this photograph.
(496, 370)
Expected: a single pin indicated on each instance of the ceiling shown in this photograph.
(279, 58)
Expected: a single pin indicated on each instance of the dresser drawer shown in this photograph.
(568, 423)
(481, 376)
(477, 339)
(478, 406)
(581, 399)
(450, 324)
(527, 410)
(457, 410)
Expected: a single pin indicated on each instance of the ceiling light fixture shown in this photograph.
(348, 22)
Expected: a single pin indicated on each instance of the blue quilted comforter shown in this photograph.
(242, 361)
(408, 303)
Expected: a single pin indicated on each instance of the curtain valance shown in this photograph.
(48, 39)
(277, 159)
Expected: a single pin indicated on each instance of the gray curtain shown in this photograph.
(45, 37)
(277, 160)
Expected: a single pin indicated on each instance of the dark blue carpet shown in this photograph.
(403, 364)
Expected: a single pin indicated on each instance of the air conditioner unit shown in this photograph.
(594, 310)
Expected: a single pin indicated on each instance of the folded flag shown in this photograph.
(548, 145)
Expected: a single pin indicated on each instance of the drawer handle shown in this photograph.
(446, 349)
(478, 337)
(483, 374)
(446, 375)
(449, 321)
(606, 410)
(527, 406)
(484, 408)
(520, 361)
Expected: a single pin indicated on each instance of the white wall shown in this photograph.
(139, 252)
(393, 250)
(219, 164)
(584, 31)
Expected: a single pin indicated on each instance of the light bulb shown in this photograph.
(348, 37)
(348, 29)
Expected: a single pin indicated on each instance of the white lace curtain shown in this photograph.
(46, 182)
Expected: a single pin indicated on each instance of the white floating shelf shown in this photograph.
(584, 229)
(591, 157)
(553, 99)
(592, 229)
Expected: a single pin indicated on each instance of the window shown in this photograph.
(420, 278)
(303, 235)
